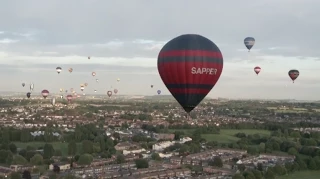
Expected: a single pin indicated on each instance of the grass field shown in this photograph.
(302, 175)
(227, 135)
(287, 110)
(56, 145)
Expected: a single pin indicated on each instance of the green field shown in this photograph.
(288, 110)
(56, 145)
(302, 175)
(227, 135)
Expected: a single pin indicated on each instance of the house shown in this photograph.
(4, 171)
(62, 166)
(163, 136)
(125, 146)
(21, 168)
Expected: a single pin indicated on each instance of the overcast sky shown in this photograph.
(123, 38)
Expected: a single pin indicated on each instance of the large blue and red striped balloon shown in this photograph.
(190, 65)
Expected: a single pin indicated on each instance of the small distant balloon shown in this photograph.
(159, 92)
(44, 93)
(28, 95)
(109, 93)
(58, 69)
(31, 87)
(53, 101)
(115, 91)
(249, 42)
(69, 97)
(23, 84)
(257, 70)
(293, 74)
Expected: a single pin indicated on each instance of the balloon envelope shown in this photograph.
(109, 93)
(249, 42)
(45, 93)
(257, 70)
(190, 65)
(293, 74)
(159, 92)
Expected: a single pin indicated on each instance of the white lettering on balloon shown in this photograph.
(209, 71)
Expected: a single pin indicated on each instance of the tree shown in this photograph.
(141, 163)
(13, 148)
(19, 160)
(72, 148)
(178, 135)
(155, 156)
(260, 167)
(248, 175)
(56, 168)
(279, 170)
(48, 151)
(58, 152)
(238, 176)
(292, 151)
(37, 159)
(15, 175)
(269, 174)
(257, 174)
(87, 146)
(85, 159)
(120, 159)
(312, 165)
(216, 162)
(262, 147)
(26, 174)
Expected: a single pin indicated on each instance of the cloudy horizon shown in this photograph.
(123, 39)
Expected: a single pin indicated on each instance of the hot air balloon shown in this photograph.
(109, 93)
(61, 97)
(257, 70)
(61, 89)
(93, 74)
(159, 92)
(95, 90)
(45, 93)
(249, 42)
(115, 91)
(85, 84)
(23, 84)
(31, 87)
(97, 80)
(88, 57)
(151, 86)
(66, 91)
(293, 74)
(69, 97)
(118, 79)
(81, 88)
(70, 70)
(53, 101)
(190, 65)
(58, 69)
(71, 89)
(28, 95)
